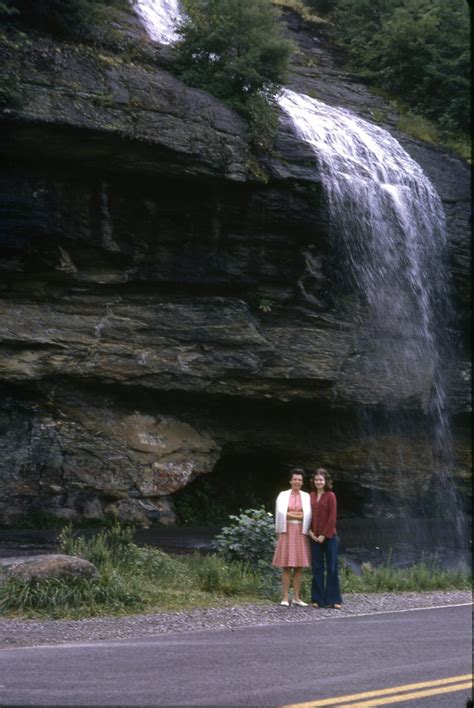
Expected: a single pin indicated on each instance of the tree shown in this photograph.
(235, 50)
(417, 49)
(321, 6)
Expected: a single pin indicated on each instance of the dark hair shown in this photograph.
(297, 470)
(321, 472)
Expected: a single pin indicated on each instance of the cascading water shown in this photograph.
(387, 227)
(388, 232)
(160, 18)
(387, 224)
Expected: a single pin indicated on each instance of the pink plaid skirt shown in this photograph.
(292, 549)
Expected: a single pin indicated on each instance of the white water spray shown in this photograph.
(387, 223)
(160, 18)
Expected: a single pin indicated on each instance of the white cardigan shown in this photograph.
(283, 499)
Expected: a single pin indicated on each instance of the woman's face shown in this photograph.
(319, 482)
(296, 482)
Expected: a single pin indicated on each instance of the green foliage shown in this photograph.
(322, 6)
(136, 580)
(108, 548)
(235, 50)
(303, 8)
(420, 577)
(65, 18)
(262, 115)
(79, 597)
(419, 127)
(265, 305)
(416, 49)
(7, 7)
(131, 580)
(216, 575)
(249, 538)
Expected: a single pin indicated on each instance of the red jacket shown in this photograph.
(324, 512)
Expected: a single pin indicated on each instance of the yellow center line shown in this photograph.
(340, 700)
(409, 696)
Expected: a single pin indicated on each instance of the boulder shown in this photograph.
(52, 567)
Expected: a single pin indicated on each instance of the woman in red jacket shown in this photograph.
(325, 590)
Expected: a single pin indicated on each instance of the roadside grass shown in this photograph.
(421, 577)
(135, 580)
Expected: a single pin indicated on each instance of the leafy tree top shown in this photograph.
(232, 48)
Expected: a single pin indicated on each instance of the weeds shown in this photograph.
(131, 580)
(421, 577)
(143, 580)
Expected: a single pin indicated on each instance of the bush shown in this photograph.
(250, 538)
(417, 49)
(233, 49)
(322, 6)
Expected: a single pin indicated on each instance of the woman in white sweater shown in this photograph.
(292, 522)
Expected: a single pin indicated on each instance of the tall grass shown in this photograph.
(421, 577)
(143, 580)
(131, 580)
(424, 129)
(299, 7)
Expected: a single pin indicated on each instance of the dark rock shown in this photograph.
(167, 301)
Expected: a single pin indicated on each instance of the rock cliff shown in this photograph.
(167, 306)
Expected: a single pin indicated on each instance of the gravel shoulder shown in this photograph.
(28, 633)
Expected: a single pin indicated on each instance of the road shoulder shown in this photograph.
(23, 633)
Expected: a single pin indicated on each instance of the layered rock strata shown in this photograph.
(167, 300)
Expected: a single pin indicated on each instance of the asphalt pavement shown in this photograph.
(415, 658)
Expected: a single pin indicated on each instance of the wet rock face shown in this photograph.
(318, 71)
(168, 303)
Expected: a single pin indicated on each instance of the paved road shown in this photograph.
(275, 665)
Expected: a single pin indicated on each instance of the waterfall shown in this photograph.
(387, 224)
(387, 231)
(160, 18)
(388, 238)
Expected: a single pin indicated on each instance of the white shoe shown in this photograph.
(300, 603)
(285, 603)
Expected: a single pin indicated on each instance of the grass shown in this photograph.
(424, 129)
(303, 10)
(131, 580)
(136, 580)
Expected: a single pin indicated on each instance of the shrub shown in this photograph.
(417, 49)
(235, 50)
(109, 548)
(322, 6)
(250, 538)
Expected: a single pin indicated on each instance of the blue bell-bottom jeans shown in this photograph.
(325, 588)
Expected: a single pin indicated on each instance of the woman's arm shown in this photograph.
(330, 524)
(296, 515)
